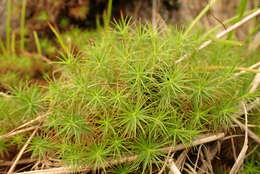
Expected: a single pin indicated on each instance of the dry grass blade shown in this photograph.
(40, 117)
(204, 140)
(255, 83)
(231, 28)
(233, 148)
(181, 159)
(63, 170)
(251, 67)
(4, 95)
(9, 163)
(173, 168)
(223, 33)
(209, 152)
(22, 151)
(251, 134)
(242, 154)
(10, 134)
(166, 161)
(191, 170)
(198, 157)
(21, 128)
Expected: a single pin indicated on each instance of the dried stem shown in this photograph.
(10, 134)
(22, 151)
(242, 154)
(223, 33)
(64, 170)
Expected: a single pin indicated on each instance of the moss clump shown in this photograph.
(125, 93)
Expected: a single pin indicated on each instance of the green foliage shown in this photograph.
(97, 156)
(72, 154)
(149, 153)
(70, 126)
(29, 101)
(129, 94)
(252, 163)
(121, 92)
(40, 146)
(3, 148)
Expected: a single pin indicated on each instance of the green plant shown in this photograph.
(124, 94)
(40, 146)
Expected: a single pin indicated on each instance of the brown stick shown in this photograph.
(10, 171)
(5, 95)
(223, 33)
(10, 134)
(242, 154)
(64, 170)
(251, 134)
(17, 131)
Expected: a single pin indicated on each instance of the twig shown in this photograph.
(10, 171)
(255, 83)
(9, 163)
(182, 158)
(199, 141)
(40, 117)
(223, 33)
(251, 134)
(191, 171)
(233, 148)
(242, 154)
(208, 154)
(252, 151)
(173, 168)
(197, 160)
(154, 9)
(45, 59)
(10, 134)
(20, 129)
(166, 161)
(231, 28)
(5, 95)
(251, 67)
(64, 170)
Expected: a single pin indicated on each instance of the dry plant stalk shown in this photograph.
(10, 134)
(64, 170)
(173, 168)
(255, 82)
(242, 154)
(22, 151)
(223, 33)
(251, 67)
(4, 95)
(21, 128)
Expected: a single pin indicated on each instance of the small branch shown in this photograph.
(21, 128)
(251, 67)
(182, 158)
(255, 83)
(9, 163)
(242, 154)
(64, 170)
(233, 149)
(166, 161)
(223, 33)
(5, 95)
(251, 134)
(197, 142)
(154, 9)
(173, 168)
(10, 134)
(231, 28)
(10, 171)
(40, 117)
